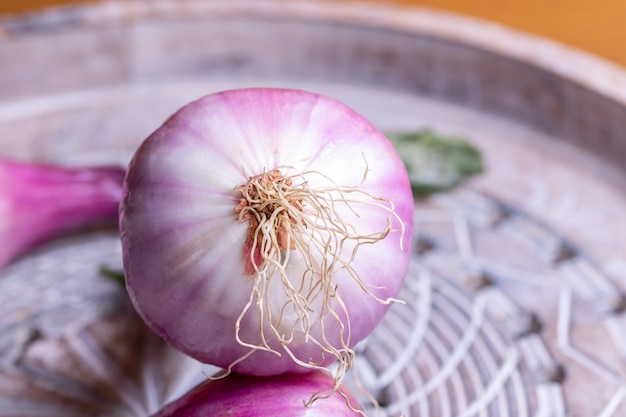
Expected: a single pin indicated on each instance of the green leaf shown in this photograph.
(113, 274)
(436, 163)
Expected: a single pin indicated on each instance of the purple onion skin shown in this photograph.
(276, 396)
(184, 249)
(41, 202)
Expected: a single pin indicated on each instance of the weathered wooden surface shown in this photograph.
(503, 320)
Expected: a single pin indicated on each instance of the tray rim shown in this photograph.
(597, 74)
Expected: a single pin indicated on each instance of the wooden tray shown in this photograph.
(516, 302)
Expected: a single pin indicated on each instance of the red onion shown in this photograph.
(276, 396)
(40, 202)
(265, 230)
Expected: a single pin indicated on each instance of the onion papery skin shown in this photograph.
(184, 246)
(252, 396)
(40, 202)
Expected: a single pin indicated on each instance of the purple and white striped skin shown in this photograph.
(189, 259)
(253, 396)
(42, 202)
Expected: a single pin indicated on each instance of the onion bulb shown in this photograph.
(276, 396)
(41, 202)
(265, 230)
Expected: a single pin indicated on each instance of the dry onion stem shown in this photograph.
(285, 214)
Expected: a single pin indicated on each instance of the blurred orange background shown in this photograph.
(595, 26)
